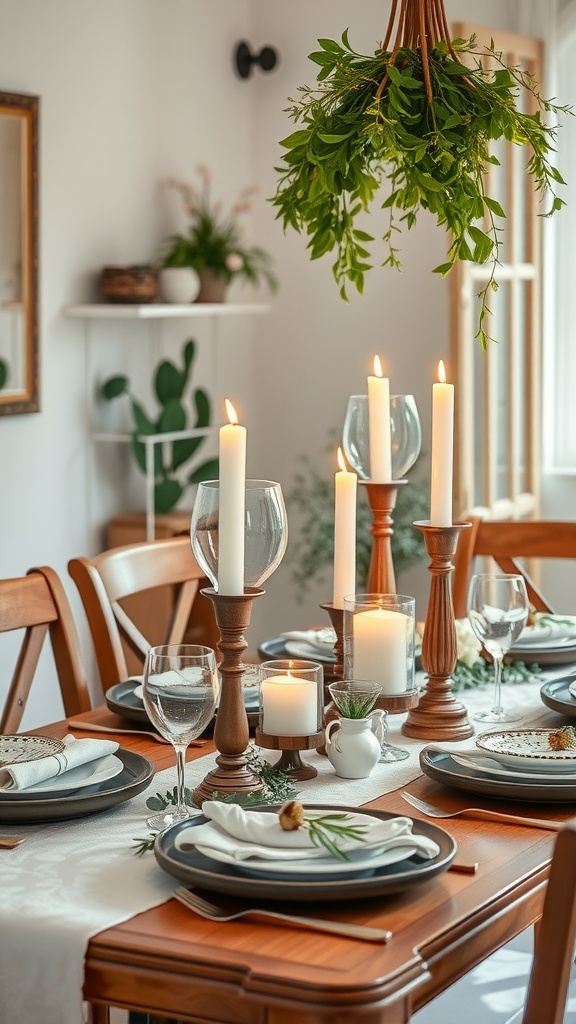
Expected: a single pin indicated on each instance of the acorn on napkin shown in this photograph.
(244, 834)
(76, 752)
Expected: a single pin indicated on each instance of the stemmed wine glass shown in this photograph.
(405, 434)
(497, 611)
(265, 530)
(180, 690)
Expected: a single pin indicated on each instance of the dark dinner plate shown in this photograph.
(545, 655)
(26, 808)
(122, 701)
(441, 767)
(556, 695)
(193, 868)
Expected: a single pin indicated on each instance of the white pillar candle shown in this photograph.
(289, 706)
(380, 648)
(232, 501)
(345, 487)
(379, 426)
(442, 451)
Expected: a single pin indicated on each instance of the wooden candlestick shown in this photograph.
(382, 500)
(337, 621)
(231, 731)
(439, 715)
(290, 761)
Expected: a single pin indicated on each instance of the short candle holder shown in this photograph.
(382, 501)
(291, 700)
(231, 731)
(438, 714)
(290, 761)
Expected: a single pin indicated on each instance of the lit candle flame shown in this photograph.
(231, 412)
(441, 372)
(377, 367)
(341, 461)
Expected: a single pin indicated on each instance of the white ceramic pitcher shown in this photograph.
(353, 745)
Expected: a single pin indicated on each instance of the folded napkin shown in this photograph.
(255, 834)
(311, 642)
(76, 752)
(548, 627)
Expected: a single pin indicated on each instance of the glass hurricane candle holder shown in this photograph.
(291, 705)
(379, 640)
(265, 530)
(405, 435)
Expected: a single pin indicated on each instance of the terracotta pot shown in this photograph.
(212, 287)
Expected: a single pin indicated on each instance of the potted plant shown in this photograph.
(178, 412)
(213, 244)
(419, 114)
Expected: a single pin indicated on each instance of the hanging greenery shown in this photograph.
(419, 114)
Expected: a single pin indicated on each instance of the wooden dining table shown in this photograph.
(170, 962)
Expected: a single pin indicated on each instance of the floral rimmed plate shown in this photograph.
(526, 748)
(16, 749)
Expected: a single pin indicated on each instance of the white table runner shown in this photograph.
(71, 880)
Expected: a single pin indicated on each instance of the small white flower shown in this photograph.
(468, 646)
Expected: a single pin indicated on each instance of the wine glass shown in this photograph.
(180, 690)
(405, 435)
(265, 530)
(497, 611)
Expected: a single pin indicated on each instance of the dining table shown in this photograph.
(169, 962)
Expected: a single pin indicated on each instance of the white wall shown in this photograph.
(132, 91)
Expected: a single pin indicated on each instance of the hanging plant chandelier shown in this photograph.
(420, 114)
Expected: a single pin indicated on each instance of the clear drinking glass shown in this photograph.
(497, 612)
(180, 691)
(405, 435)
(265, 534)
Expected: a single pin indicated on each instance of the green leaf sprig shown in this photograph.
(370, 120)
(324, 830)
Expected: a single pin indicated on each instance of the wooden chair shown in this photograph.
(107, 580)
(37, 603)
(555, 938)
(506, 542)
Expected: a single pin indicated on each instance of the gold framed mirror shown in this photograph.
(18, 253)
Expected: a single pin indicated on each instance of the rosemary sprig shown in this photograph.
(145, 845)
(324, 830)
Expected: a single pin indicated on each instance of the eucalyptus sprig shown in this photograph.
(481, 673)
(425, 126)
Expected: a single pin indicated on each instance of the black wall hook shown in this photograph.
(244, 59)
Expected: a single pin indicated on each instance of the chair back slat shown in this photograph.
(37, 603)
(105, 581)
(506, 542)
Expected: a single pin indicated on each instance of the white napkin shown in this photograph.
(548, 627)
(255, 834)
(76, 752)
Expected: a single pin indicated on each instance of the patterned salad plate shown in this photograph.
(526, 749)
(16, 749)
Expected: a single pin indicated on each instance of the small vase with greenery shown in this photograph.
(178, 412)
(214, 239)
(419, 114)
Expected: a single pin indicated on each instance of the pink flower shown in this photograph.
(234, 262)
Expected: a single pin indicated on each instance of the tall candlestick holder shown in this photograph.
(438, 714)
(331, 711)
(231, 730)
(382, 501)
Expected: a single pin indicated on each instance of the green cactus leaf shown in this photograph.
(139, 451)
(189, 354)
(184, 450)
(167, 494)
(143, 423)
(203, 410)
(3, 372)
(172, 417)
(114, 386)
(169, 382)
(207, 471)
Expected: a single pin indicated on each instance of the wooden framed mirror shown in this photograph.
(18, 253)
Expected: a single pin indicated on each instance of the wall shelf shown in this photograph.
(159, 311)
(148, 312)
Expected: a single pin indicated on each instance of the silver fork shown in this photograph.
(481, 814)
(222, 912)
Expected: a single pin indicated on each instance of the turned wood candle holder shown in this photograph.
(330, 710)
(290, 760)
(382, 501)
(398, 703)
(232, 775)
(439, 715)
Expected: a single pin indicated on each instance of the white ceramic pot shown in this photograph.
(179, 285)
(353, 745)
